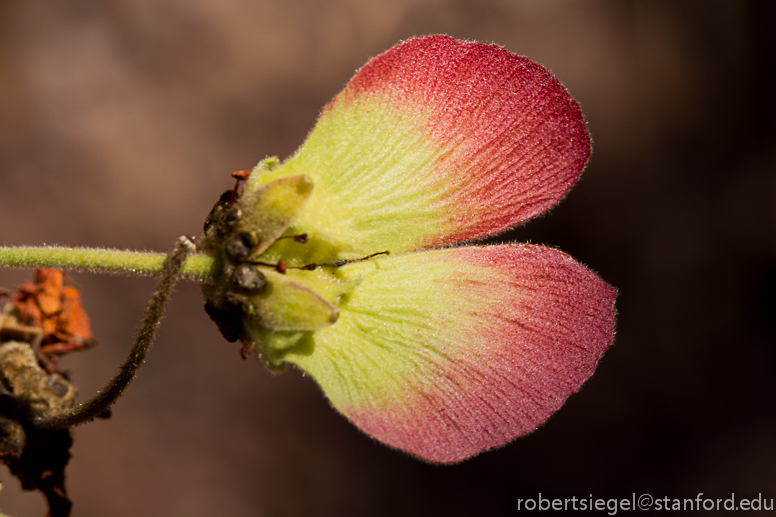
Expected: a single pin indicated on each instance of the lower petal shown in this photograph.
(447, 353)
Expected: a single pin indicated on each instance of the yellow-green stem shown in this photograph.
(197, 267)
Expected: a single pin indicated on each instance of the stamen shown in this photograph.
(239, 176)
(341, 263)
(301, 238)
(281, 266)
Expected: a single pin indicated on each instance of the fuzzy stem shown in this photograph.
(196, 267)
(171, 270)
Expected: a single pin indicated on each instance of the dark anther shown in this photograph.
(281, 267)
(240, 247)
(235, 303)
(210, 308)
(223, 217)
(58, 387)
(228, 317)
(105, 414)
(248, 279)
(217, 209)
(231, 217)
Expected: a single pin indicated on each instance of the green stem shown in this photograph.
(197, 267)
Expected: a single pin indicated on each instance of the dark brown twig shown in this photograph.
(101, 402)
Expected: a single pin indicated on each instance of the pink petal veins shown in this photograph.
(471, 348)
(509, 140)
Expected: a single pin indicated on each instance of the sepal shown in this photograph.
(267, 210)
(285, 304)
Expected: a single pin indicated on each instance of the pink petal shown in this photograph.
(438, 141)
(447, 353)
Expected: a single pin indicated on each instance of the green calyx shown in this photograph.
(272, 286)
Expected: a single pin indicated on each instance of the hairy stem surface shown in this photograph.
(196, 267)
(171, 271)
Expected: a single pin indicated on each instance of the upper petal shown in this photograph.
(438, 141)
(447, 353)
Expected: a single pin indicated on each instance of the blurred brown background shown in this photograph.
(120, 121)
